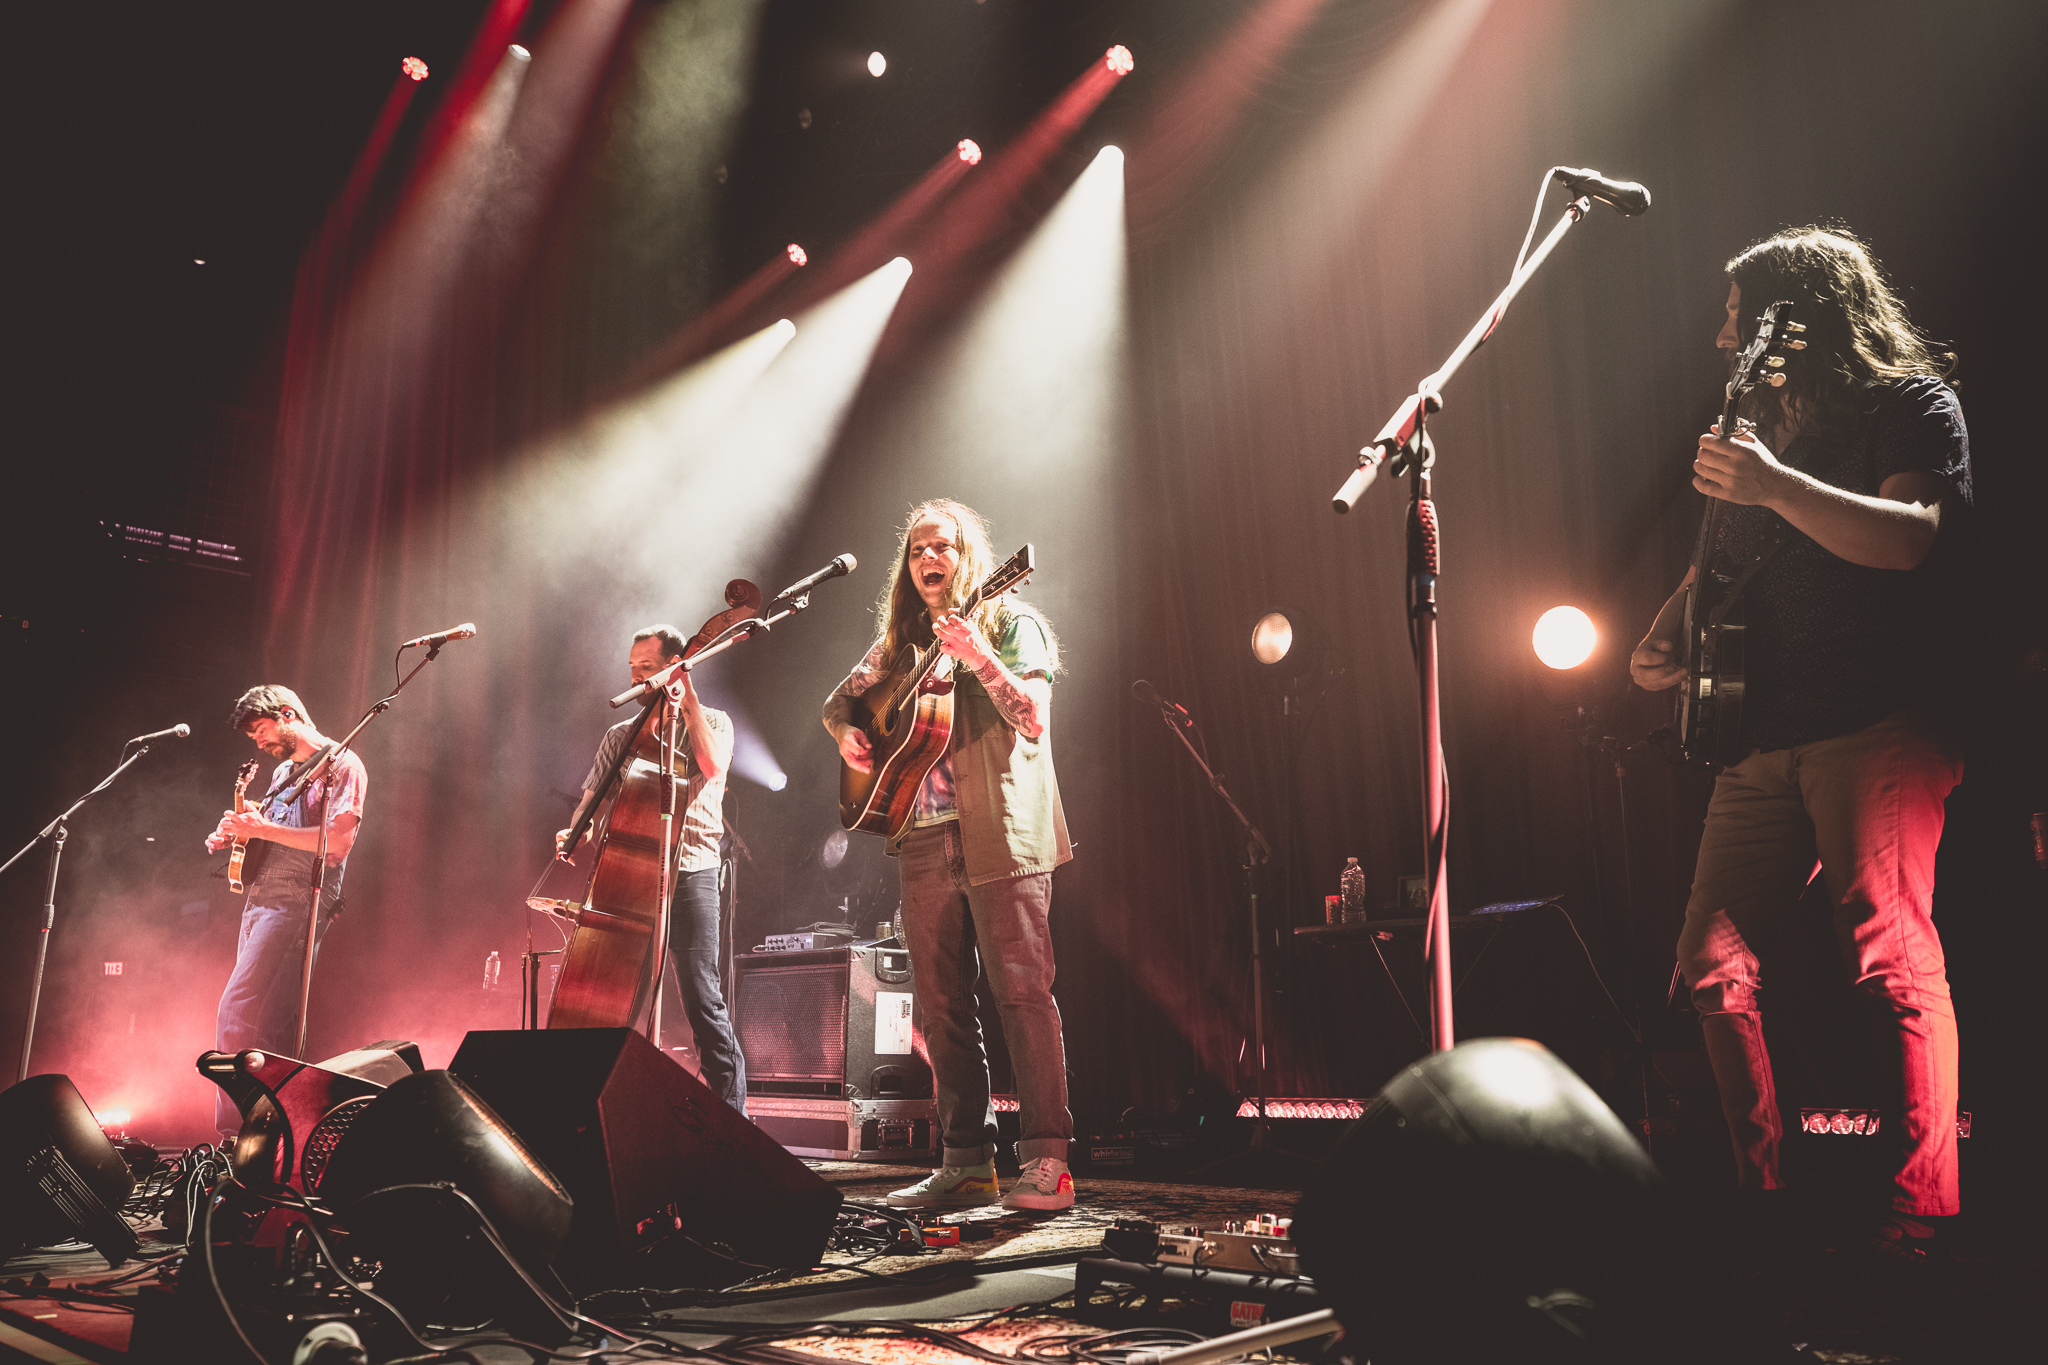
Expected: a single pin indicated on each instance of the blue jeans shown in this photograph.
(693, 947)
(260, 1007)
(949, 927)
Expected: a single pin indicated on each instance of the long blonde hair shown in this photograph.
(901, 608)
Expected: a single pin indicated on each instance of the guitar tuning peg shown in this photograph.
(1776, 381)
(1776, 362)
(1795, 345)
(1795, 327)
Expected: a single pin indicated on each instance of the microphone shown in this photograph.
(1626, 197)
(461, 632)
(175, 732)
(845, 564)
(1145, 692)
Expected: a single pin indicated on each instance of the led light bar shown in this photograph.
(1304, 1109)
(1857, 1122)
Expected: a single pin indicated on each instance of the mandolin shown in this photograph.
(908, 720)
(1710, 702)
(239, 852)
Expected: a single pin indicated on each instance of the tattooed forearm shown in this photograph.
(1016, 700)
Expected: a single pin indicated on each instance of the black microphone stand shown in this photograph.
(56, 833)
(1406, 439)
(1257, 853)
(292, 792)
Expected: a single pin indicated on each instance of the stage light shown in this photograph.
(797, 255)
(1118, 60)
(414, 67)
(833, 851)
(1564, 637)
(111, 1118)
(1272, 638)
(899, 267)
(778, 782)
(877, 64)
(518, 53)
(970, 151)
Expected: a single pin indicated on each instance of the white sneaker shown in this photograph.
(1044, 1184)
(950, 1187)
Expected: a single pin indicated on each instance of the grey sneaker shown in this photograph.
(1043, 1184)
(950, 1187)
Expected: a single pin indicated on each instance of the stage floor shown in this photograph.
(1978, 1298)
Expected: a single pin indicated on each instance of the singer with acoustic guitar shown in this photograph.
(1838, 495)
(259, 1008)
(976, 848)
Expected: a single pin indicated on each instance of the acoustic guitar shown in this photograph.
(908, 720)
(1710, 703)
(238, 853)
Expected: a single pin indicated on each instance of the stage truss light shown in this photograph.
(970, 151)
(1564, 637)
(1272, 638)
(877, 64)
(797, 255)
(414, 67)
(1118, 60)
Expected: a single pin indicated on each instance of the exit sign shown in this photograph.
(111, 968)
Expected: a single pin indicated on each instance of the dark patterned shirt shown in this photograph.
(1834, 647)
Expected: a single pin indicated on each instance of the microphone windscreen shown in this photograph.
(1145, 692)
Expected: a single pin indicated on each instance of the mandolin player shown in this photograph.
(976, 858)
(1856, 470)
(260, 1006)
(705, 746)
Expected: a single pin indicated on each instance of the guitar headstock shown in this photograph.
(244, 777)
(1013, 572)
(1762, 361)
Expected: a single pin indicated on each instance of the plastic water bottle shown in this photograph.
(491, 971)
(1351, 885)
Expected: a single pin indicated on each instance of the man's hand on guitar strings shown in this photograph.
(959, 638)
(1740, 469)
(853, 747)
(1653, 668)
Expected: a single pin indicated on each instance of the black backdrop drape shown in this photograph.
(1290, 278)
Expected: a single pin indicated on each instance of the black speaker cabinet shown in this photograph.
(646, 1151)
(833, 1023)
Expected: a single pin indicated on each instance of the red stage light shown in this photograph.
(1118, 60)
(796, 255)
(970, 151)
(414, 67)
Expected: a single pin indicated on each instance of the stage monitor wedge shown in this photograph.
(60, 1177)
(647, 1152)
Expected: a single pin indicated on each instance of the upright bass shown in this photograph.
(606, 969)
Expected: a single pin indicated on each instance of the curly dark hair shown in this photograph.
(1857, 332)
(269, 702)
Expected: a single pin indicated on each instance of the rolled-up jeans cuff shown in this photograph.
(970, 1156)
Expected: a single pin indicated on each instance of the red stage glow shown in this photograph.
(414, 67)
(970, 151)
(796, 255)
(1118, 60)
(111, 1118)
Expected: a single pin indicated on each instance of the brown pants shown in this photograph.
(1868, 806)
